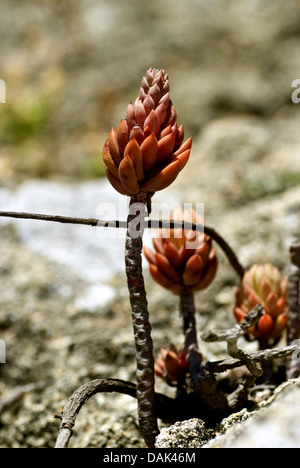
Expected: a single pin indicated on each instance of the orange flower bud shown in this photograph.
(150, 125)
(171, 365)
(262, 284)
(175, 265)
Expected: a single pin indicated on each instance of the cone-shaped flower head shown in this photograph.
(146, 152)
(262, 284)
(171, 365)
(182, 258)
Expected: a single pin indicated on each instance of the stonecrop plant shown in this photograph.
(171, 365)
(262, 284)
(145, 154)
(183, 259)
(184, 262)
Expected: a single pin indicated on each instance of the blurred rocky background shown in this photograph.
(70, 70)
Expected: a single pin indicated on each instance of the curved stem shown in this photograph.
(227, 249)
(80, 396)
(229, 252)
(140, 318)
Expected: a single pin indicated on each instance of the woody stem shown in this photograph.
(140, 318)
(204, 382)
(188, 313)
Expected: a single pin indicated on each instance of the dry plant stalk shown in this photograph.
(80, 396)
(140, 321)
(256, 356)
(153, 224)
(144, 155)
(203, 381)
(188, 313)
(232, 336)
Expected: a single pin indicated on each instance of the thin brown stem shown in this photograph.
(257, 356)
(203, 382)
(140, 319)
(188, 313)
(227, 249)
(80, 396)
(232, 335)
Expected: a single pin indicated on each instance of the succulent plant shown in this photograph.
(262, 284)
(146, 152)
(171, 365)
(182, 259)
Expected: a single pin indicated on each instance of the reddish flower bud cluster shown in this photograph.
(182, 258)
(147, 150)
(171, 365)
(262, 284)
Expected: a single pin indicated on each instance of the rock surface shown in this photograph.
(273, 425)
(65, 89)
(186, 434)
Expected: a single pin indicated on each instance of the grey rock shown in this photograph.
(185, 434)
(274, 425)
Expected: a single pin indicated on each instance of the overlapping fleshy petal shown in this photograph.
(262, 284)
(171, 365)
(146, 152)
(182, 258)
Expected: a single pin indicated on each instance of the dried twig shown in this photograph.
(257, 356)
(293, 365)
(231, 337)
(153, 224)
(80, 396)
(168, 409)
